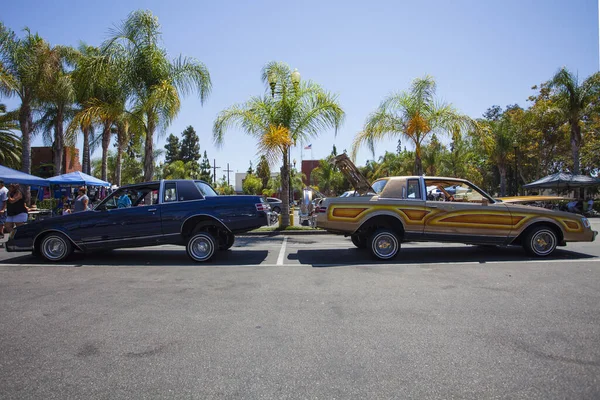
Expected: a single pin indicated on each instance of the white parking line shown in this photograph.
(282, 251)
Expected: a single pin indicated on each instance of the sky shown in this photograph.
(480, 52)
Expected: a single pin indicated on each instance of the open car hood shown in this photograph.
(358, 181)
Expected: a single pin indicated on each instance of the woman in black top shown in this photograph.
(16, 210)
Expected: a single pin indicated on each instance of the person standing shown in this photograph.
(82, 201)
(15, 207)
(3, 200)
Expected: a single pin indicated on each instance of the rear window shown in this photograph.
(379, 185)
(187, 190)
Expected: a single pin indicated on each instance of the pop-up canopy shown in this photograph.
(563, 181)
(77, 178)
(9, 175)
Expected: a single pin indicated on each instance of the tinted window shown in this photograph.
(170, 192)
(205, 189)
(413, 189)
(187, 190)
(379, 185)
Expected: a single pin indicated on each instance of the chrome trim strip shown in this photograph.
(59, 231)
(131, 238)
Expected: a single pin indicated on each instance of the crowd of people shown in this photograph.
(14, 211)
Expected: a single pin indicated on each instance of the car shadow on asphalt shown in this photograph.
(427, 255)
(147, 257)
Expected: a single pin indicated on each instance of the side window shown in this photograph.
(413, 189)
(170, 192)
(187, 190)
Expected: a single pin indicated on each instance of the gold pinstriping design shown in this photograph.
(481, 219)
(410, 215)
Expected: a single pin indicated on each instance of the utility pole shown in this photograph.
(215, 168)
(228, 171)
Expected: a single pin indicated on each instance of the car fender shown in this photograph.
(55, 229)
(205, 219)
(380, 213)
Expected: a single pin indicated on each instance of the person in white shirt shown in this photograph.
(3, 199)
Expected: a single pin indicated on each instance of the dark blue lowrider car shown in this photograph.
(182, 212)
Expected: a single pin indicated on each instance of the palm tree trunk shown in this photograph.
(149, 149)
(120, 149)
(59, 144)
(85, 158)
(26, 124)
(285, 191)
(418, 162)
(502, 169)
(575, 146)
(105, 143)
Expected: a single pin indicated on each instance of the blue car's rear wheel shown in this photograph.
(55, 247)
(201, 246)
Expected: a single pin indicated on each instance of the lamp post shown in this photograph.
(516, 192)
(296, 84)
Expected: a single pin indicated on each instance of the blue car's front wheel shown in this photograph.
(55, 247)
(201, 246)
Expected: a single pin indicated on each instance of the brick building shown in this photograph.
(307, 168)
(42, 161)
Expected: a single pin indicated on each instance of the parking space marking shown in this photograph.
(282, 251)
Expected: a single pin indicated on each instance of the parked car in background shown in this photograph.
(399, 209)
(275, 204)
(349, 193)
(181, 212)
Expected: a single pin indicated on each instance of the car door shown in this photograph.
(137, 225)
(405, 198)
(458, 211)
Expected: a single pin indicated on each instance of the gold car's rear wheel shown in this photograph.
(540, 241)
(384, 244)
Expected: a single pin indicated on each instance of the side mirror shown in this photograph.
(485, 202)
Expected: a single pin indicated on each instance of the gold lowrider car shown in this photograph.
(440, 209)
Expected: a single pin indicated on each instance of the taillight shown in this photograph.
(321, 209)
(260, 207)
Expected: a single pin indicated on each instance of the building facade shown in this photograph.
(42, 161)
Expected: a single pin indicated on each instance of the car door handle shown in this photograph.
(151, 209)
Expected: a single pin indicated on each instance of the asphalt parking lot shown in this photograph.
(302, 316)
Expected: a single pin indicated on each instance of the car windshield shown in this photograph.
(206, 189)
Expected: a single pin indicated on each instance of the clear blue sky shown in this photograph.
(480, 52)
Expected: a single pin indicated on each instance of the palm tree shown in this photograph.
(57, 95)
(157, 84)
(326, 177)
(414, 115)
(292, 111)
(10, 144)
(23, 67)
(575, 100)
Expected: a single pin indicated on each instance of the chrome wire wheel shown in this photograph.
(55, 247)
(384, 244)
(541, 242)
(201, 247)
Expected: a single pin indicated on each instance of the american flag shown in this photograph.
(309, 147)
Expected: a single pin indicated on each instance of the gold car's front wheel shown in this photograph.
(384, 244)
(540, 241)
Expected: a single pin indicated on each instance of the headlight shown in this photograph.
(585, 222)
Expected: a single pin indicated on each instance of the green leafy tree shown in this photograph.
(205, 169)
(326, 177)
(10, 144)
(250, 170)
(263, 171)
(157, 82)
(252, 184)
(413, 115)
(575, 101)
(173, 149)
(181, 170)
(223, 188)
(24, 66)
(291, 111)
(190, 145)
